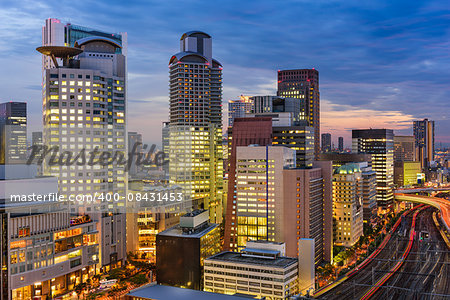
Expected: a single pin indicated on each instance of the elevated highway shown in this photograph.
(442, 204)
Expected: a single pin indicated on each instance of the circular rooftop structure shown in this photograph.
(91, 39)
(59, 51)
(195, 33)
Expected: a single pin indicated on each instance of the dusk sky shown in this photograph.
(381, 64)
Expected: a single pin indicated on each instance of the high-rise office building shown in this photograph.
(196, 161)
(341, 144)
(13, 133)
(263, 129)
(405, 165)
(245, 131)
(292, 134)
(379, 143)
(36, 138)
(84, 102)
(404, 148)
(298, 138)
(348, 204)
(424, 138)
(238, 108)
(259, 190)
(369, 193)
(277, 104)
(134, 144)
(151, 217)
(309, 208)
(57, 33)
(326, 142)
(165, 134)
(36, 141)
(303, 84)
(277, 202)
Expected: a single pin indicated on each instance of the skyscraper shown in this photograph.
(304, 84)
(292, 134)
(268, 104)
(238, 108)
(341, 144)
(263, 129)
(245, 131)
(380, 144)
(404, 148)
(36, 138)
(165, 135)
(56, 33)
(13, 132)
(277, 202)
(260, 200)
(406, 165)
(309, 208)
(326, 142)
(196, 158)
(134, 143)
(84, 102)
(424, 137)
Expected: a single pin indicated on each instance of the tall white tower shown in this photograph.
(84, 109)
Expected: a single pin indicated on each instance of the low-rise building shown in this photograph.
(45, 251)
(253, 271)
(163, 292)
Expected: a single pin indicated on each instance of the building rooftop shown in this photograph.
(194, 213)
(162, 292)
(348, 168)
(236, 257)
(177, 231)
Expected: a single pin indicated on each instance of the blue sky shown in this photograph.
(381, 63)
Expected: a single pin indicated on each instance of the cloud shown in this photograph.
(385, 59)
(339, 120)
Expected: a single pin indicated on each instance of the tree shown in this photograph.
(116, 274)
(78, 289)
(139, 279)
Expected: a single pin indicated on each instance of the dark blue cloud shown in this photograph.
(377, 55)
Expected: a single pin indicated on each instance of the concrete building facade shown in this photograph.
(84, 109)
(253, 271)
